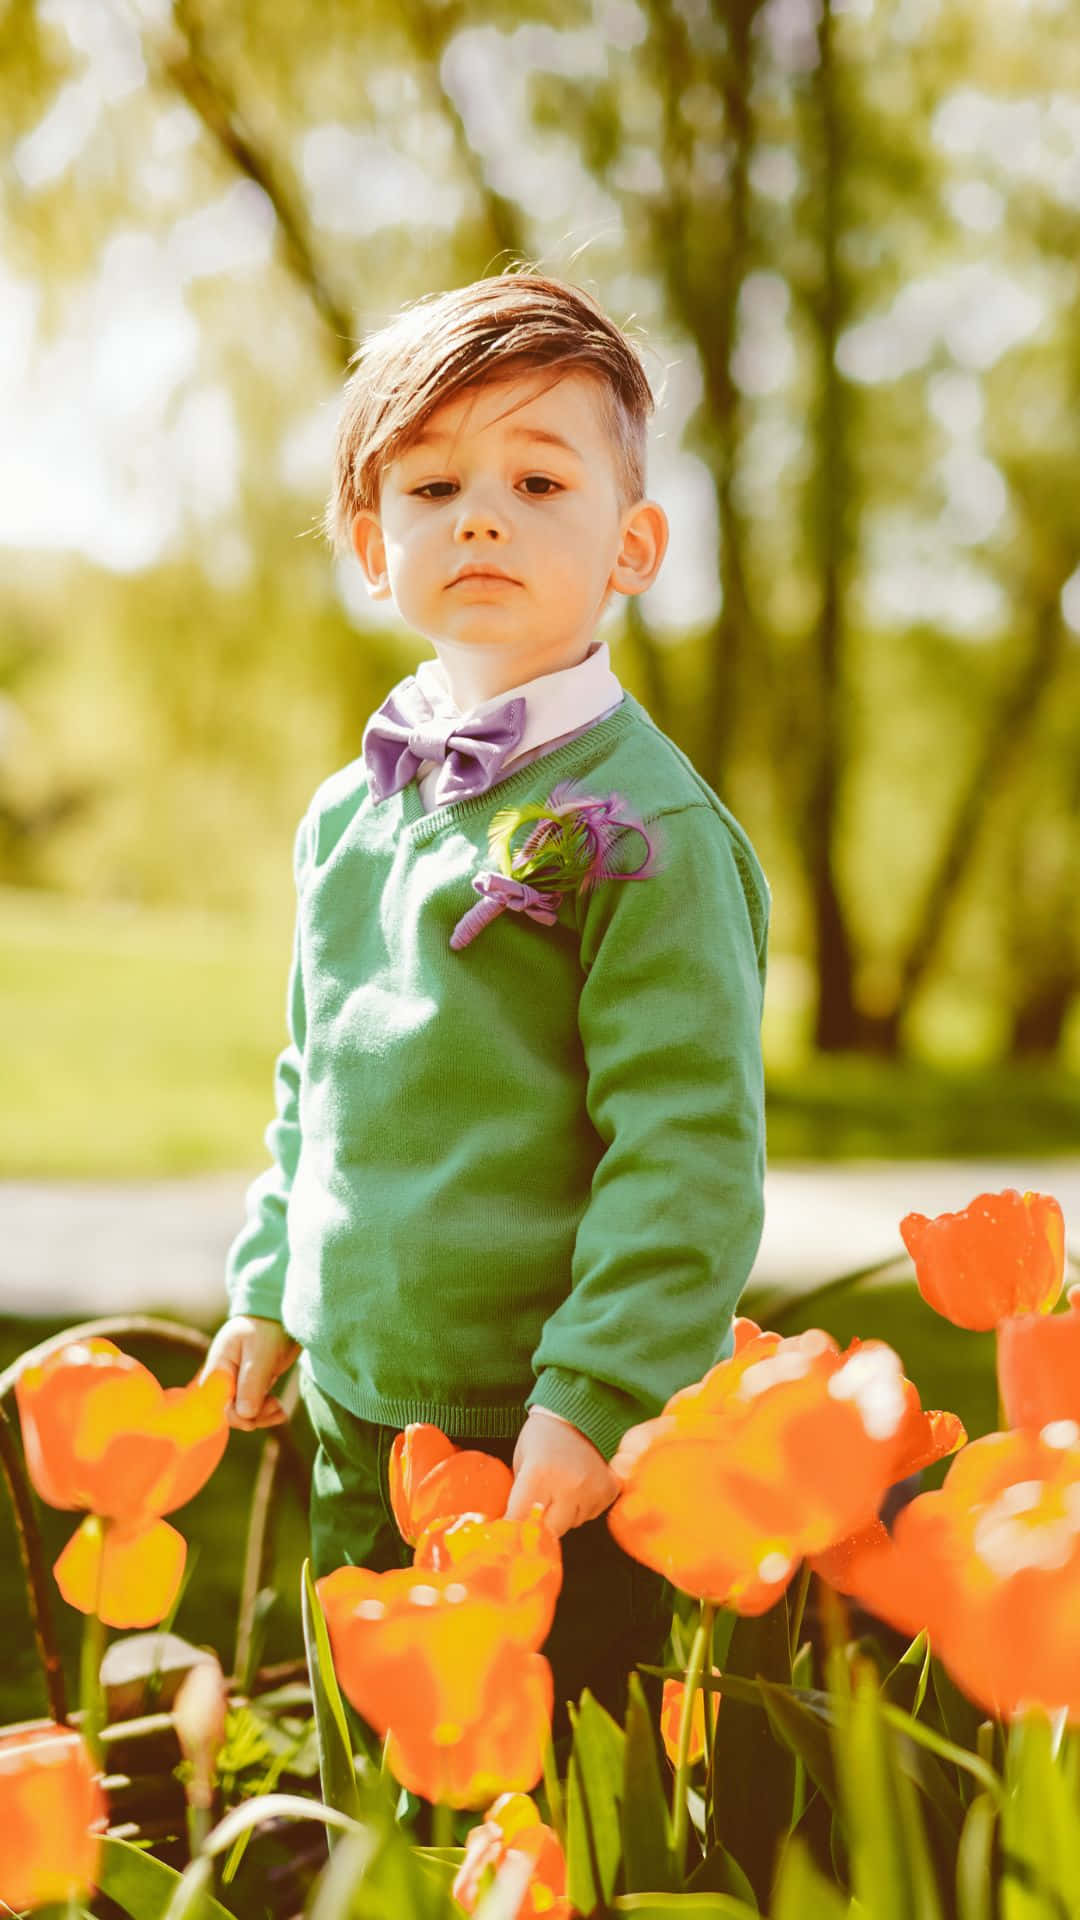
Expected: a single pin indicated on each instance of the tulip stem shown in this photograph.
(680, 1806)
(799, 1608)
(553, 1791)
(442, 1824)
(91, 1692)
(709, 1706)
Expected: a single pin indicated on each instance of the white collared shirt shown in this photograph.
(557, 705)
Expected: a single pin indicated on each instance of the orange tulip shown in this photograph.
(1038, 1365)
(516, 1562)
(779, 1451)
(432, 1479)
(101, 1434)
(990, 1566)
(449, 1671)
(512, 1830)
(922, 1438)
(671, 1707)
(52, 1815)
(503, 1748)
(1003, 1254)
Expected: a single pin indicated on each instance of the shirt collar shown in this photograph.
(555, 703)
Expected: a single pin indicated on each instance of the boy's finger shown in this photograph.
(528, 1493)
(250, 1392)
(215, 1363)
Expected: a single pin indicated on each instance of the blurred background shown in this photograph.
(847, 236)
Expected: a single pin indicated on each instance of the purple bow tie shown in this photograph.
(406, 731)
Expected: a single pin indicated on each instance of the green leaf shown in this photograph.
(906, 1685)
(376, 1875)
(720, 1872)
(1040, 1826)
(925, 1736)
(959, 1718)
(594, 1791)
(336, 1768)
(892, 1872)
(753, 1773)
(976, 1898)
(817, 1831)
(646, 1828)
(444, 1861)
(145, 1887)
(802, 1892)
(805, 1729)
(684, 1906)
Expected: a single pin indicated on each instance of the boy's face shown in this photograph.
(500, 531)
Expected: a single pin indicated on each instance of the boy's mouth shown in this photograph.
(483, 573)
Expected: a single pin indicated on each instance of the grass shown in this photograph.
(135, 1044)
(141, 1044)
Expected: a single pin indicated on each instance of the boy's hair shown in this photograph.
(490, 330)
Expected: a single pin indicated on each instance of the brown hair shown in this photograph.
(489, 330)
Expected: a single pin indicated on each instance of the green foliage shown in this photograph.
(753, 1775)
(646, 1827)
(594, 1793)
(337, 1769)
(146, 1888)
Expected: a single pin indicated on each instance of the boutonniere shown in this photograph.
(565, 844)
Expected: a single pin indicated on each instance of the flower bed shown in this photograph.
(859, 1717)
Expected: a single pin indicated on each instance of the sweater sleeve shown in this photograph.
(670, 1023)
(258, 1258)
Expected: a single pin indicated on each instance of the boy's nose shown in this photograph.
(479, 520)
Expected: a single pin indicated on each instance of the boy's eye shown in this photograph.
(435, 490)
(539, 484)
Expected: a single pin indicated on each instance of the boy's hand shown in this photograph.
(255, 1352)
(555, 1466)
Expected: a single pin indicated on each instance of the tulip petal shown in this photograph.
(501, 1748)
(1003, 1254)
(516, 1562)
(52, 1814)
(102, 1434)
(468, 1482)
(50, 1395)
(780, 1450)
(129, 1577)
(413, 1455)
(1038, 1365)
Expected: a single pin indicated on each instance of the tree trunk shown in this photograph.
(1002, 747)
(836, 1023)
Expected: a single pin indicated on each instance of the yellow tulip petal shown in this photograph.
(129, 1578)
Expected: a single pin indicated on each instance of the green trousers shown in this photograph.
(612, 1612)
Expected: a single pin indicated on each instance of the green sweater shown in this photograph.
(530, 1171)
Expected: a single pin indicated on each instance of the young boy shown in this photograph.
(519, 1145)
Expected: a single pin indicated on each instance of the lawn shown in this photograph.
(142, 1043)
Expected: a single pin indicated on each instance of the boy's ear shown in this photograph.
(370, 550)
(641, 549)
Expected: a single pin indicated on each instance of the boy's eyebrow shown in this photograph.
(428, 436)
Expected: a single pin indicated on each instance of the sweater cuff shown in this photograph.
(602, 1413)
(259, 1297)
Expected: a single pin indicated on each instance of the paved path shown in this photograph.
(151, 1246)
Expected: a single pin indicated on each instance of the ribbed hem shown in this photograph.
(257, 1298)
(498, 1422)
(602, 1413)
